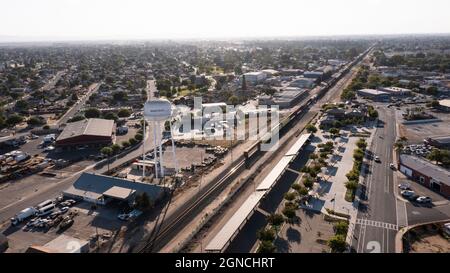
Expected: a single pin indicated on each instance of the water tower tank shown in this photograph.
(157, 109)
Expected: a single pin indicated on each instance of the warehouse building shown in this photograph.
(396, 91)
(286, 98)
(373, 94)
(93, 132)
(303, 83)
(101, 189)
(426, 173)
(254, 78)
(439, 142)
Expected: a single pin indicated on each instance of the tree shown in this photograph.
(244, 83)
(14, 119)
(34, 121)
(275, 219)
(296, 186)
(115, 148)
(341, 228)
(143, 201)
(111, 116)
(21, 105)
(133, 141)
(432, 90)
(313, 156)
(436, 155)
(74, 97)
(361, 144)
(108, 152)
(92, 113)
(76, 118)
(351, 185)
(233, 100)
(289, 212)
(435, 104)
(119, 96)
(125, 143)
(337, 243)
(139, 137)
(290, 196)
(123, 113)
(308, 182)
(266, 247)
(334, 131)
(267, 234)
(311, 128)
(398, 145)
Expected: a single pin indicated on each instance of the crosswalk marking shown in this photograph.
(373, 223)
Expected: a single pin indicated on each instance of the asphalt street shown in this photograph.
(376, 223)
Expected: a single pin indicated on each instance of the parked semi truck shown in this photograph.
(24, 214)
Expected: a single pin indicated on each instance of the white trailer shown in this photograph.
(24, 214)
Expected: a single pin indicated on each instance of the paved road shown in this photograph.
(376, 223)
(79, 104)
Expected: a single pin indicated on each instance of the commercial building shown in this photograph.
(373, 94)
(101, 189)
(254, 78)
(313, 75)
(61, 244)
(92, 132)
(426, 173)
(285, 98)
(303, 83)
(444, 105)
(439, 142)
(396, 91)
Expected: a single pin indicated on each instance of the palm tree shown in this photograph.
(108, 152)
(398, 145)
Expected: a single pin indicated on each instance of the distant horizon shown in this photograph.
(93, 20)
(36, 39)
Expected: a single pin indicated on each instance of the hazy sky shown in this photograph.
(88, 19)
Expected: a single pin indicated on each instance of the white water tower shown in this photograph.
(157, 111)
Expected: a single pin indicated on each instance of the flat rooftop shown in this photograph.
(427, 168)
(225, 235)
(89, 127)
(372, 91)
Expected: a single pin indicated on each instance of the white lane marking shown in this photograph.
(366, 222)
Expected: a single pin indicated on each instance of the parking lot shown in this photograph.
(88, 224)
(421, 190)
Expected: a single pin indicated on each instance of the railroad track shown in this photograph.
(155, 242)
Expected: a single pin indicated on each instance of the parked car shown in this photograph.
(64, 209)
(404, 186)
(49, 148)
(66, 223)
(392, 166)
(377, 159)
(123, 217)
(423, 200)
(407, 193)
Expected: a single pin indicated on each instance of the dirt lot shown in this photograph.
(428, 241)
